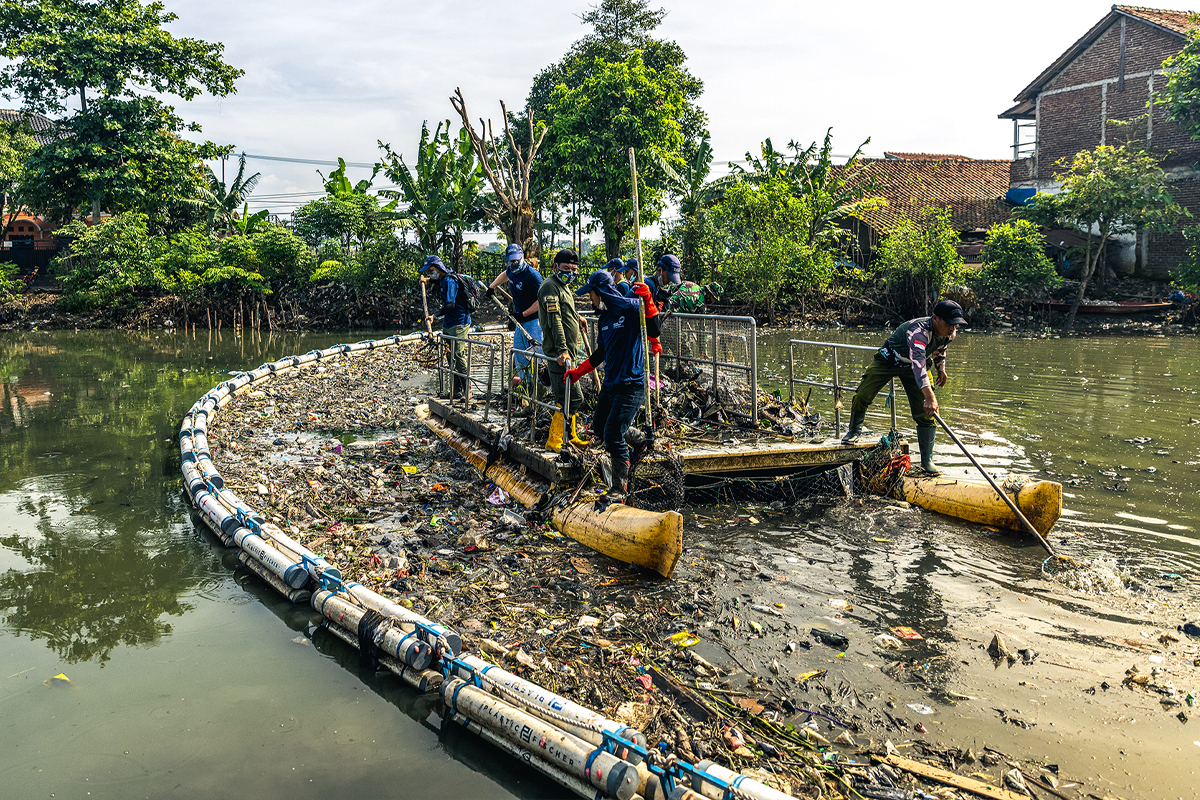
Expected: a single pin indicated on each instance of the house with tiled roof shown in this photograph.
(41, 127)
(923, 156)
(972, 189)
(1109, 75)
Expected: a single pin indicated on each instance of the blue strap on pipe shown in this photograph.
(329, 582)
(400, 644)
(454, 697)
(587, 767)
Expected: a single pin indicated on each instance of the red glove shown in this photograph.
(573, 375)
(643, 291)
(655, 347)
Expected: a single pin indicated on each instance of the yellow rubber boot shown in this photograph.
(575, 440)
(555, 439)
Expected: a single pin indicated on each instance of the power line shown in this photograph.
(318, 162)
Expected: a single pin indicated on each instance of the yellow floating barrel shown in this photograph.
(977, 501)
(647, 538)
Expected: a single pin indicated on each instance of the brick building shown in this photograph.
(973, 189)
(1110, 74)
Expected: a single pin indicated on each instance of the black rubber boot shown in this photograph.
(460, 385)
(620, 482)
(925, 443)
(857, 418)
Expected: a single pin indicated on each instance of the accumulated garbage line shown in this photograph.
(578, 748)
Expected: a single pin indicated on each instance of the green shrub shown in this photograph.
(284, 257)
(1015, 261)
(919, 250)
(10, 284)
(107, 262)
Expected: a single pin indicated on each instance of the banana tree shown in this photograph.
(222, 200)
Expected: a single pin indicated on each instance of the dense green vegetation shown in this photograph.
(774, 230)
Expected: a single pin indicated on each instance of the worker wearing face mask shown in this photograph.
(562, 330)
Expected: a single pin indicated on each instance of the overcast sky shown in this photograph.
(327, 79)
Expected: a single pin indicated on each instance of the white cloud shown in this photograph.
(329, 79)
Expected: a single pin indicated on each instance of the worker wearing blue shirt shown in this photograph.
(619, 348)
(456, 321)
(524, 281)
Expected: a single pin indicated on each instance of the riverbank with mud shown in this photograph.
(784, 642)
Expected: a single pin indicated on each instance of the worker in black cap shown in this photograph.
(619, 348)
(906, 355)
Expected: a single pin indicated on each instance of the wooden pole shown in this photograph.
(637, 232)
(1003, 495)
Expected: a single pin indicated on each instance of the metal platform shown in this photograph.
(779, 457)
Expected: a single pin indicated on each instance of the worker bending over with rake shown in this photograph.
(905, 355)
(456, 318)
(619, 348)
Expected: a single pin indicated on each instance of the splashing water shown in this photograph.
(1099, 577)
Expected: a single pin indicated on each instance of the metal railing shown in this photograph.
(836, 386)
(535, 361)
(448, 354)
(726, 345)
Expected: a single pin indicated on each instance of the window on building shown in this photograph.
(20, 227)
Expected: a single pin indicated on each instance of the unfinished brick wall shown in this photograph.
(1166, 251)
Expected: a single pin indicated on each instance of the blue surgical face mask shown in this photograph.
(566, 277)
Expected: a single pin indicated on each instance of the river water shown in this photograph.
(188, 677)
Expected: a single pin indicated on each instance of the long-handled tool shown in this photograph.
(425, 305)
(1003, 495)
(506, 310)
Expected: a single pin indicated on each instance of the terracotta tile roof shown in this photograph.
(973, 189)
(42, 127)
(923, 156)
(1175, 21)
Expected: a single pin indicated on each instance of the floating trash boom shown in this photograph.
(580, 749)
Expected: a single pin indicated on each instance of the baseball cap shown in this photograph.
(596, 281)
(950, 311)
(513, 253)
(432, 261)
(567, 256)
(670, 265)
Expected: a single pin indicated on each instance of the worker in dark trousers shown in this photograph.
(456, 321)
(619, 348)
(906, 355)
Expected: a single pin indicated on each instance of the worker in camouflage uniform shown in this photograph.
(905, 355)
(562, 331)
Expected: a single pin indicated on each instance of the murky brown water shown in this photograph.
(189, 678)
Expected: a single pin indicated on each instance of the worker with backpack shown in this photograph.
(460, 298)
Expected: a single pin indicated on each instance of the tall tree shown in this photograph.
(60, 49)
(104, 55)
(122, 155)
(622, 105)
(618, 28)
(1181, 93)
(348, 213)
(507, 167)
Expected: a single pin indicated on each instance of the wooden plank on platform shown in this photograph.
(769, 456)
(548, 466)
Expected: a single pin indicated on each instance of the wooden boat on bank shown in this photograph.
(1114, 309)
(977, 501)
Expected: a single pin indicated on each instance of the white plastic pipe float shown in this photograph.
(407, 648)
(300, 597)
(539, 738)
(429, 631)
(742, 786)
(423, 680)
(561, 777)
(572, 717)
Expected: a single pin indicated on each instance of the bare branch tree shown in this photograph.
(508, 174)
